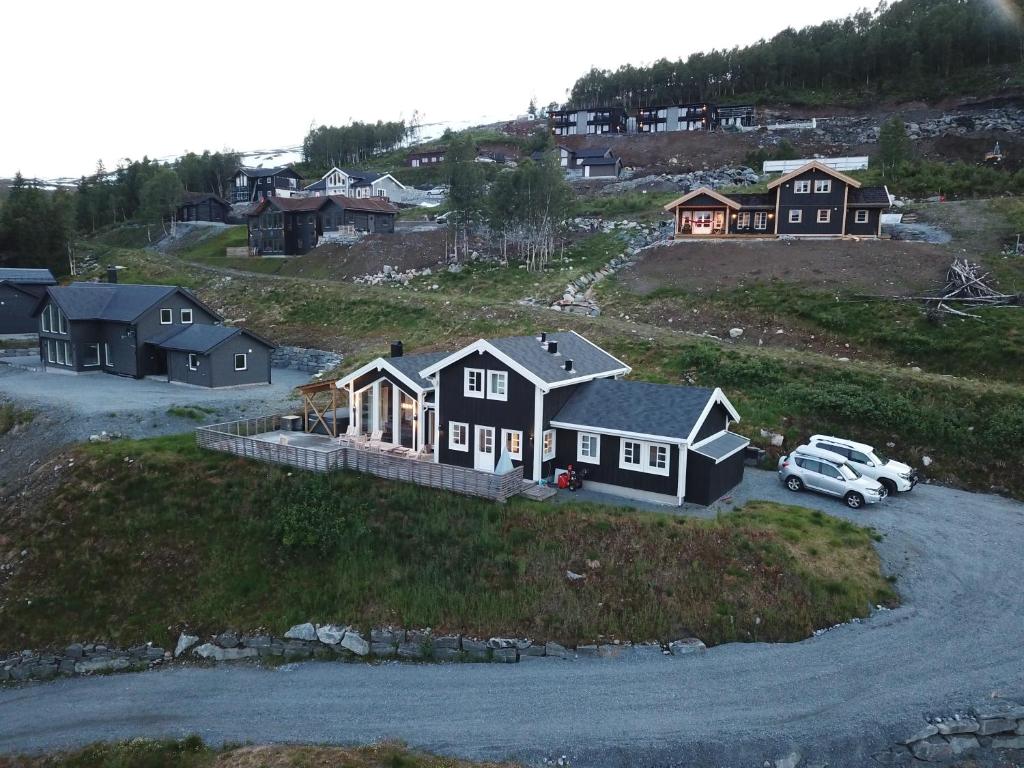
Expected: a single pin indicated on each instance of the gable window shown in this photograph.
(861, 216)
(823, 186)
(802, 187)
(512, 439)
(166, 316)
(588, 448)
(743, 220)
(497, 385)
(473, 383)
(92, 355)
(761, 220)
(241, 362)
(796, 216)
(824, 215)
(193, 361)
(62, 321)
(186, 316)
(458, 436)
(46, 325)
(549, 444)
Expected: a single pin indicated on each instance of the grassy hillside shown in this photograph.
(212, 541)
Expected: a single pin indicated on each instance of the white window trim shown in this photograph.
(802, 187)
(46, 322)
(467, 391)
(62, 322)
(822, 186)
(192, 360)
(454, 445)
(828, 215)
(245, 361)
(761, 220)
(169, 314)
(862, 216)
(51, 354)
(743, 220)
(623, 464)
(645, 465)
(548, 454)
(492, 394)
(85, 362)
(581, 438)
(182, 315)
(796, 216)
(106, 355)
(505, 433)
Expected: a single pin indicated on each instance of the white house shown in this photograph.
(338, 181)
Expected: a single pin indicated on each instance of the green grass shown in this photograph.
(12, 417)
(203, 537)
(193, 412)
(214, 247)
(627, 204)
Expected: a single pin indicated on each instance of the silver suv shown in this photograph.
(895, 476)
(826, 472)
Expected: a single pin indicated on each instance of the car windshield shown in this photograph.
(879, 458)
(848, 472)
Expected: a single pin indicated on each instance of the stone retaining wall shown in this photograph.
(303, 359)
(997, 724)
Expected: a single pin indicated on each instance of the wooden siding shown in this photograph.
(609, 472)
(809, 203)
(706, 482)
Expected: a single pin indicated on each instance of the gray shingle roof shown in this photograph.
(588, 152)
(600, 161)
(258, 173)
(587, 359)
(722, 446)
(662, 410)
(869, 196)
(106, 301)
(27, 276)
(200, 338)
(411, 365)
(763, 200)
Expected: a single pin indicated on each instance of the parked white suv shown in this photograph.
(827, 472)
(894, 475)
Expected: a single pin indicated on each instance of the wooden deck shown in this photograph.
(538, 492)
(263, 440)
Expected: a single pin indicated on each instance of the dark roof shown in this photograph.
(587, 359)
(192, 198)
(762, 200)
(202, 338)
(258, 173)
(364, 177)
(316, 185)
(27, 276)
(869, 196)
(662, 410)
(293, 204)
(117, 302)
(589, 152)
(600, 161)
(370, 204)
(411, 365)
(427, 151)
(722, 446)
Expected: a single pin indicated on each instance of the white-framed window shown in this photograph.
(796, 216)
(549, 444)
(588, 447)
(743, 220)
(630, 454)
(473, 382)
(186, 316)
(241, 361)
(824, 215)
(166, 316)
(92, 355)
(512, 439)
(63, 353)
(639, 456)
(107, 359)
(822, 186)
(802, 187)
(46, 324)
(62, 321)
(497, 385)
(657, 459)
(50, 353)
(458, 436)
(193, 361)
(761, 220)
(861, 216)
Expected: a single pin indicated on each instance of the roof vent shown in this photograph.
(553, 347)
(396, 349)
(111, 274)
(568, 365)
(543, 337)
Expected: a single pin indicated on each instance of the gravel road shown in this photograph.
(837, 697)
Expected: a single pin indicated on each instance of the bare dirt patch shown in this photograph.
(882, 267)
(401, 251)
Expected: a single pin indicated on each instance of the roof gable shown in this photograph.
(27, 276)
(115, 302)
(814, 165)
(406, 368)
(204, 338)
(702, 191)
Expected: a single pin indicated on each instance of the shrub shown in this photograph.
(309, 514)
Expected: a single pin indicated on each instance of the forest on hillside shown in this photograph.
(918, 48)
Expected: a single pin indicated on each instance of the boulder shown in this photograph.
(533, 649)
(925, 733)
(934, 749)
(74, 651)
(586, 651)
(447, 642)
(301, 632)
(354, 642)
(447, 654)
(330, 634)
(686, 646)
(387, 636)
(101, 664)
(504, 655)
(993, 726)
(185, 641)
(257, 641)
(297, 649)
(963, 743)
(408, 650)
(1008, 742)
(227, 639)
(557, 650)
(735, 333)
(383, 650)
(792, 760)
(955, 726)
(216, 653)
(475, 649)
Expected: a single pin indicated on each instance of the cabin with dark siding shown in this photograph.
(254, 184)
(21, 290)
(217, 356)
(203, 207)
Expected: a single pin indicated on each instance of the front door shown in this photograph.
(483, 458)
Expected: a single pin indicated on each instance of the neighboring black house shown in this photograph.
(592, 162)
(292, 226)
(126, 330)
(203, 206)
(217, 356)
(598, 120)
(252, 184)
(418, 158)
(546, 402)
(20, 293)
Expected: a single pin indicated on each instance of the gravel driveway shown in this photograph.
(837, 697)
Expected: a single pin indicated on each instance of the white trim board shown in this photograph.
(620, 433)
(718, 396)
(379, 364)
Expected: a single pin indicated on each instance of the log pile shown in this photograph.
(967, 284)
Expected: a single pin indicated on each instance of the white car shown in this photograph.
(894, 475)
(826, 472)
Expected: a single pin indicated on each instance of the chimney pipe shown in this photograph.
(543, 337)
(111, 274)
(568, 365)
(553, 347)
(396, 349)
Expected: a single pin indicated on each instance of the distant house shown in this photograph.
(252, 184)
(429, 156)
(146, 330)
(592, 162)
(811, 201)
(599, 120)
(293, 226)
(338, 181)
(200, 206)
(20, 293)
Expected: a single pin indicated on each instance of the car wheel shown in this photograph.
(888, 487)
(854, 500)
(794, 483)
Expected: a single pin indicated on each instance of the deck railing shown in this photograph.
(239, 438)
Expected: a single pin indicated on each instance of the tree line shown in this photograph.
(329, 145)
(37, 227)
(907, 47)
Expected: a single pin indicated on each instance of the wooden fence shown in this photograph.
(238, 438)
(237, 251)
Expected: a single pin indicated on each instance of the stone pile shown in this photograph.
(998, 725)
(957, 124)
(304, 359)
(686, 182)
(80, 659)
(390, 275)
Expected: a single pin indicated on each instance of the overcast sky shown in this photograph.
(104, 79)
